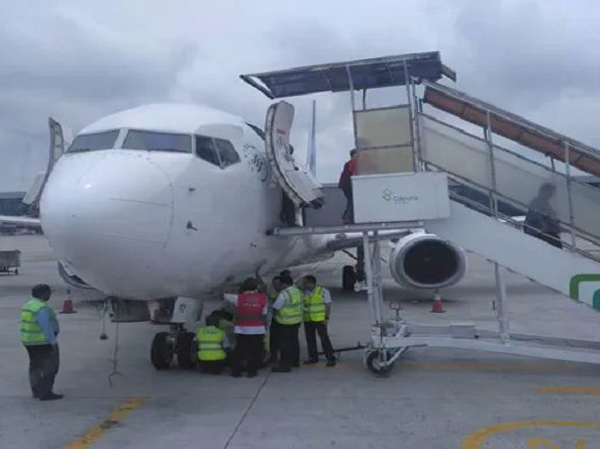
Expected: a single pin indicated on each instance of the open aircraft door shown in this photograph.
(299, 185)
(57, 148)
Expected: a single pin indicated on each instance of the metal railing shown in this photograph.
(506, 175)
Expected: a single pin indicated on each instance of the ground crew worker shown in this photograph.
(272, 293)
(212, 346)
(345, 184)
(317, 308)
(274, 349)
(39, 329)
(225, 319)
(288, 316)
(249, 321)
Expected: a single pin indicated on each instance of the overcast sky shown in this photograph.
(80, 60)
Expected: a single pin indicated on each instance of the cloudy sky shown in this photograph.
(80, 60)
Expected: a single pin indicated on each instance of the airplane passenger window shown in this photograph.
(157, 141)
(205, 149)
(227, 153)
(92, 142)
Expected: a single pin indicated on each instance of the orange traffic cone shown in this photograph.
(437, 306)
(68, 304)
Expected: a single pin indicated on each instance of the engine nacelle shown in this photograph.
(426, 261)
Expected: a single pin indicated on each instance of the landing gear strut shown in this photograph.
(348, 278)
(178, 342)
(353, 274)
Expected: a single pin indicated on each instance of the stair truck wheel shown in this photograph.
(161, 352)
(348, 278)
(187, 353)
(375, 366)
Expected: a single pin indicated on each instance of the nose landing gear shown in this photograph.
(167, 345)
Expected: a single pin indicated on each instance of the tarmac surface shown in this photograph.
(434, 398)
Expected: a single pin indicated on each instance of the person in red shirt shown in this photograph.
(345, 184)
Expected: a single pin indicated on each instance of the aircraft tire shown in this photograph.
(375, 367)
(161, 352)
(348, 278)
(187, 353)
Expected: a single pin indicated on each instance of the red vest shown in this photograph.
(249, 310)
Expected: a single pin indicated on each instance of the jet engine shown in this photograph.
(425, 261)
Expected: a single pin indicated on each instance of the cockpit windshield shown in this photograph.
(157, 141)
(92, 142)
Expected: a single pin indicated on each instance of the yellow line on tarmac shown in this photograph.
(478, 439)
(114, 418)
(471, 366)
(569, 390)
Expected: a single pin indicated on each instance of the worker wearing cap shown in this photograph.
(212, 346)
(317, 308)
(39, 330)
(288, 316)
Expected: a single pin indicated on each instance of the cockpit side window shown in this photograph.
(227, 153)
(93, 142)
(157, 141)
(219, 152)
(205, 149)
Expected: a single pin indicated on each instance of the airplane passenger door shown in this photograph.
(57, 148)
(299, 185)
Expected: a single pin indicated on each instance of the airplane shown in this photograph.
(176, 201)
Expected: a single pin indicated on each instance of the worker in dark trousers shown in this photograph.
(345, 184)
(272, 293)
(213, 346)
(249, 325)
(288, 316)
(39, 330)
(317, 309)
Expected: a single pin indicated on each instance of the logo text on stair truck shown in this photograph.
(388, 195)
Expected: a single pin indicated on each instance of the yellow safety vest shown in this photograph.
(272, 296)
(31, 332)
(291, 312)
(314, 306)
(210, 344)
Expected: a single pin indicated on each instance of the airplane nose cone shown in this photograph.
(108, 215)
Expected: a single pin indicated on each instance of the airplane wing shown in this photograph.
(352, 240)
(24, 221)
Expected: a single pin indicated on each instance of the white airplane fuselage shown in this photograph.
(145, 224)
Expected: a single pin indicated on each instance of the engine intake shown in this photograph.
(426, 261)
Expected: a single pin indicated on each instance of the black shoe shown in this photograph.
(52, 397)
(281, 369)
(251, 374)
(331, 363)
(236, 374)
(296, 365)
(311, 361)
